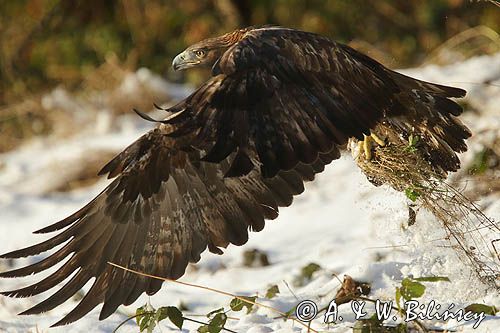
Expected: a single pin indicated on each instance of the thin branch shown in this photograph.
(290, 290)
(213, 290)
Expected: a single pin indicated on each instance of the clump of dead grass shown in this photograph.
(401, 165)
(397, 165)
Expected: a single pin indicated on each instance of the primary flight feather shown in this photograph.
(279, 105)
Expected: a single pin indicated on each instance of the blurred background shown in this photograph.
(87, 47)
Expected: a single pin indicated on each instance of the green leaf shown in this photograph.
(219, 319)
(478, 308)
(211, 313)
(481, 161)
(145, 319)
(237, 304)
(147, 323)
(413, 140)
(290, 312)
(161, 313)
(369, 325)
(412, 143)
(432, 278)
(139, 312)
(255, 258)
(308, 271)
(217, 323)
(172, 313)
(411, 289)
(306, 274)
(203, 329)
(412, 194)
(175, 316)
(272, 291)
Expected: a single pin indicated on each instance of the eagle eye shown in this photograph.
(199, 53)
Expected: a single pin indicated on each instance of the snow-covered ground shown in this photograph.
(341, 222)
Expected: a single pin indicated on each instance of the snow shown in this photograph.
(341, 222)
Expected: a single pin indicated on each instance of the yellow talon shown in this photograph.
(359, 150)
(377, 139)
(365, 145)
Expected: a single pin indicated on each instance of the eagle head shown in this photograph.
(198, 54)
(208, 51)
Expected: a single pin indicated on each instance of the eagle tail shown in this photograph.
(430, 120)
(408, 84)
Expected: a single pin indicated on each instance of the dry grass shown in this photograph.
(21, 122)
(494, 2)
(102, 89)
(468, 230)
(472, 42)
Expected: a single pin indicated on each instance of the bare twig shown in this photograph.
(213, 290)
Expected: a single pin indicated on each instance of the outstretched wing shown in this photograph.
(287, 95)
(164, 208)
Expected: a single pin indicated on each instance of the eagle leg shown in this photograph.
(367, 144)
(377, 139)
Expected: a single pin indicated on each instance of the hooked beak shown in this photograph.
(183, 60)
(178, 61)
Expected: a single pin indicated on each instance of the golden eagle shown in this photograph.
(277, 108)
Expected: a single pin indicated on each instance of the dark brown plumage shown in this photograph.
(279, 105)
